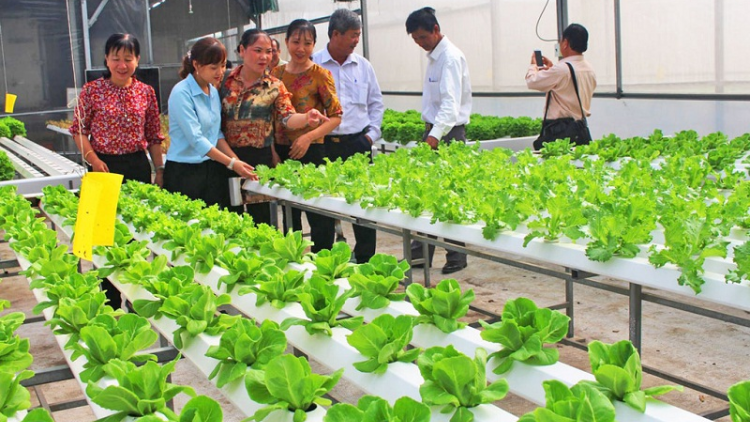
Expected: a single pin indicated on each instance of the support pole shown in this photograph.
(365, 30)
(636, 313)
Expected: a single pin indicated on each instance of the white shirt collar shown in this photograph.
(325, 56)
(439, 48)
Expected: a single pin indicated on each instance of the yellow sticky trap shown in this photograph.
(10, 102)
(97, 209)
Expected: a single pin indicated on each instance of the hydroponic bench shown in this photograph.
(525, 380)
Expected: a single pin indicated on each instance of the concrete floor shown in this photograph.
(696, 348)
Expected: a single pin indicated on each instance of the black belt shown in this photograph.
(344, 138)
(428, 126)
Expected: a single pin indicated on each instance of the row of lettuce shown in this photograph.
(408, 126)
(245, 348)
(689, 201)
(720, 151)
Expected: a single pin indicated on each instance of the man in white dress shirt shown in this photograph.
(362, 102)
(446, 101)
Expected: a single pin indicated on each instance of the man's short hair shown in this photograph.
(275, 41)
(343, 20)
(577, 36)
(423, 18)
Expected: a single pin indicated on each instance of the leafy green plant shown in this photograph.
(107, 339)
(376, 409)
(689, 241)
(243, 346)
(457, 382)
(580, 403)
(72, 286)
(322, 304)
(180, 238)
(5, 131)
(288, 383)
(244, 267)
(291, 247)
(383, 341)
(334, 263)
(47, 260)
(170, 282)
(73, 314)
(204, 250)
(523, 332)
(741, 258)
(276, 286)
(198, 313)
(376, 281)
(14, 351)
(7, 171)
(38, 415)
(13, 396)
(119, 258)
(739, 401)
(442, 306)
(16, 126)
(141, 391)
(618, 373)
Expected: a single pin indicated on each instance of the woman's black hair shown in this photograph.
(117, 42)
(303, 26)
(206, 51)
(250, 36)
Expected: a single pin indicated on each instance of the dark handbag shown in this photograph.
(566, 127)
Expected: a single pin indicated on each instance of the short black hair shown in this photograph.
(343, 20)
(275, 41)
(423, 18)
(117, 42)
(577, 36)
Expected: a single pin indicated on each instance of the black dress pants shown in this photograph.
(322, 228)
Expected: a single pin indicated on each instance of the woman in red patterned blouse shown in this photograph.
(117, 117)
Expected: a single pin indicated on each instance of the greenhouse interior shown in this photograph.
(514, 210)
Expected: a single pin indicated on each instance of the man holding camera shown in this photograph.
(569, 85)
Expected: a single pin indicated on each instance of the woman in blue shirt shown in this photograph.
(198, 155)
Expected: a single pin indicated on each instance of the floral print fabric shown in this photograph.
(250, 113)
(118, 120)
(313, 88)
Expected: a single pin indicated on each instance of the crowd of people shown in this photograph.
(318, 105)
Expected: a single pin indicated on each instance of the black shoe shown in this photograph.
(452, 267)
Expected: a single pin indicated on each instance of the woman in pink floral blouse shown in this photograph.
(117, 117)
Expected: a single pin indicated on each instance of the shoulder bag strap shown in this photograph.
(575, 85)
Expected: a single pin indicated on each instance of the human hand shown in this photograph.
(368, 139)
(315, 118)
(432, 142)
(159, 178)
(99, 165)
(275, 159)
(300, 146)
(244, 170)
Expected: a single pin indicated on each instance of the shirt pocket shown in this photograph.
(433, 87)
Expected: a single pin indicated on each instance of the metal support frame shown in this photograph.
(635, 318)
(365, 35)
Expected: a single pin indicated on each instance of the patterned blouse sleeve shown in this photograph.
(283, 107)
(153, 122)
(327, 93)
(83, 113)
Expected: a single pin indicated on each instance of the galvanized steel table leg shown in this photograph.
(635, 318)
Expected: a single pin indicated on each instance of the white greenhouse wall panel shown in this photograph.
(623, 117)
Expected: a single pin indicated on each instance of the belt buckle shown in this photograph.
(336, 139)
